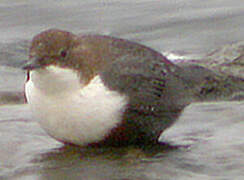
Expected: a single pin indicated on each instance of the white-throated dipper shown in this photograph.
(95, 89)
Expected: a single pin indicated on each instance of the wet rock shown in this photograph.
(218, 76)
(211, 86)
(228, 60)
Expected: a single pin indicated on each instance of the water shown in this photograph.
(208, 138)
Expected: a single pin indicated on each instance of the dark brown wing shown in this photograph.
(156, 94)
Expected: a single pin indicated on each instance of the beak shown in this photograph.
(32, 64)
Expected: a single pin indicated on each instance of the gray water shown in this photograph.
(208, 138)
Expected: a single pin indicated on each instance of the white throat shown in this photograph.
(70, 111)
(54, 80)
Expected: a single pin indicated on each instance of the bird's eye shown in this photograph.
(63, 53)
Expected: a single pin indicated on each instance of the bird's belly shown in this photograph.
(77, 117)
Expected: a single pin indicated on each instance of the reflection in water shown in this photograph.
(103, 163)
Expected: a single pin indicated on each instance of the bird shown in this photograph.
(91, 89)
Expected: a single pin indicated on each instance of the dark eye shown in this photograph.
(63, 53)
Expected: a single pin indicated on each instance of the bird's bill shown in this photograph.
(32, 64)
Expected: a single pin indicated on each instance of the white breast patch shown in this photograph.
(70, 111)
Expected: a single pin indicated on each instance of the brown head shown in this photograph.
(50, 47)
(63, 49)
